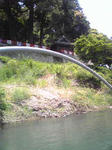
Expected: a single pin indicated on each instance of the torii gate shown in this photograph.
(50, 52)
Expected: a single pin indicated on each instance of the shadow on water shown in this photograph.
(1, 120)
(109, 148)
(1, 125)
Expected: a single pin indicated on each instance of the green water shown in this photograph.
(92, 131)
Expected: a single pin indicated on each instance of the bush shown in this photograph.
(30, 80)
(66, 83)
(2, 93)
(3, 105)
(106, 73)
(20, 94)
(90, 97)
(8, 71)
(42, 83)
(4, 59)
(95, 47)
(87, 79)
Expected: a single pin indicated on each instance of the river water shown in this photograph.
(92, 131)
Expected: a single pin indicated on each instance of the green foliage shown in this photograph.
(4, 59)
(106, 73)
(25, 70)
(86, 79)
(20, 94)
(66, 82)
(7, 71)
(2, 93)
(95, 47)
(41, 21)
(3, 105)
(30, 80)
(42, 83)
(90, 98)
(29, 71)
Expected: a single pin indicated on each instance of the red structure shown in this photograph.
(62, 45)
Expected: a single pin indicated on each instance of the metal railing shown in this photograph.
(50, 52)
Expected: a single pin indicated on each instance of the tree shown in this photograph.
(11, 9)
(67, 19)
(29, 24)
(95, 47)
(43, 11)
(41, 20)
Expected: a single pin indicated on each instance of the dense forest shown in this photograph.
(41, 21)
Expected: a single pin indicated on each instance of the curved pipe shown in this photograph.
(50, 52)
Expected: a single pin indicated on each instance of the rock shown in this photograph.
(60, 105)
(110, 107)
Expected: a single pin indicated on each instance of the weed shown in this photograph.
(28, 71)
(3, 104)
(42, 83)
(4, 59)
(90, 97)
(66, 82)
(20, 94)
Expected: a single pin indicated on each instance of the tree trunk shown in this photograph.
(30, 22)
(41, 34)
(11, 20)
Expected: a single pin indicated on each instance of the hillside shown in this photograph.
(31, 89)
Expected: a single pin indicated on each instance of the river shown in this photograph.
(91, 131)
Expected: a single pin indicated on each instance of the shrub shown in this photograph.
(90, 97)
(42, 83)
(3, 104)
(87, 79)
(4, 59)
(8, 71)
(30, 80)
(20, 94)
(95, 47)
(2, 93)
(66, 83)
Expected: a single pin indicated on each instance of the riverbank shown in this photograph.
(33, 90)
(51, 101)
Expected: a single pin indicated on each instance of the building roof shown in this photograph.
(63, 41)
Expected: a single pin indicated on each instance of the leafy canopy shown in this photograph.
(95, 47)
(41, 21)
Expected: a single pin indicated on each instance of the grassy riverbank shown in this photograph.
(30, 89)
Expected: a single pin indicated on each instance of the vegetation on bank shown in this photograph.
(19, 78)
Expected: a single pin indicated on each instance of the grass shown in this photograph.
(20, 94)
(91, 97)
(3, 104)
(86, 90)
(28, 71)
(42, 83)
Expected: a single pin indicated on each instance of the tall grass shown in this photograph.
(28, 71)
(20, 94)
(3, 104)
